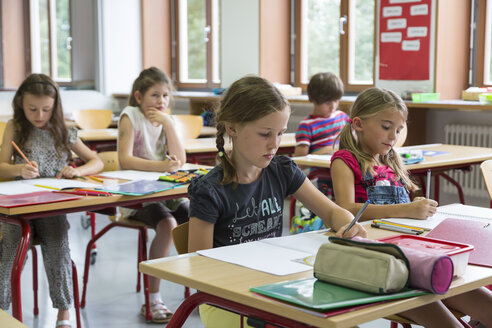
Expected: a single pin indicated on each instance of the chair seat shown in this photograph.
(127, 221)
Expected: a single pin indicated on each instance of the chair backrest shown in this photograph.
(188, 126)
(93, 118)
(180, 238)
(2, 129)
(110, 160)
(486, 168)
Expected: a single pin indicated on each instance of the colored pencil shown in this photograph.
(21, 153)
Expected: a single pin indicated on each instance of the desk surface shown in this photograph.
(456, 155)
(7, 321)
(207, 145)
(232, 282)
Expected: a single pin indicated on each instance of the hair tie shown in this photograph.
(221, 152)
(349, 120)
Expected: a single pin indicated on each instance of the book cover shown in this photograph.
(34, 198)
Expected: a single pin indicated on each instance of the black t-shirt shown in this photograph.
(250, 211)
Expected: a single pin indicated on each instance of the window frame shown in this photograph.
(345, 45)
(481, 44)
(210, 55)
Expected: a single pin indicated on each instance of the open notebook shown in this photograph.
(458, 211)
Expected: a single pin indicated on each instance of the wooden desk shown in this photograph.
(21, 215)
(228, 285)
(462, 157)
(205, 148)
(7, 321)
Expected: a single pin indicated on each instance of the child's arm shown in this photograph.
(333, 216)
(200, 235)
(344, 188)
(7, 169)
(93, 164)
(125, 152)
(301, 150)
(174, 145)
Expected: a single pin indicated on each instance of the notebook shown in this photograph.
(476, 233)
(319, 295)
(140, 187)
(461, 211)
(35, 198)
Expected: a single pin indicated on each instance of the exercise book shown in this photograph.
(18, 187)
(279, 256)
(318, 295)
(59, 184)
(140, 187)
(476, 233)
(465, 212)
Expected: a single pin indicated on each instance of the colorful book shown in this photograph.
(321, 296)
(140, 187)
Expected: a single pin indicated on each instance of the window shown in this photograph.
(51, 41)
(198, 43)
(336, 36)
(487, 53)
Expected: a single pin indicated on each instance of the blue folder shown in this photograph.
(140, 187)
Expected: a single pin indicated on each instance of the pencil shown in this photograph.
(38, 185)
(428, 191)
(396, 228)
(96, 178)
(21, 153)
(357, 216)
(396, 224)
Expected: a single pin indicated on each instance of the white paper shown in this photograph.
(391, 37)
(279, 256)
(416, 31)
(60, 183)
(397, 23)
(132, 175)
(17, 187)
(419, 10)
(325, 157)
(410, 45)
(392, 11)
(460, 211)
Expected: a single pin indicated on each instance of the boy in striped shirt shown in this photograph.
(317, 132)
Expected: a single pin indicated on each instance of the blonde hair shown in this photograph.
(246, 100)
(370, 103)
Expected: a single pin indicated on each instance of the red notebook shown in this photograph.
(476, 233)
(34, 198)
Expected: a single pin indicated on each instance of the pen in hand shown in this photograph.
(428, 186)
(357, 216)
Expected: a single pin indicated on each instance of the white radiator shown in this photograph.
(468, 135)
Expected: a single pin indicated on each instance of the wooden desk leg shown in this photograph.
(20, 256)
(190, 303)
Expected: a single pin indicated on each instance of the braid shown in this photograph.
(227, 165)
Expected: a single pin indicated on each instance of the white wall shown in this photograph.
(240, 39)
(120, 44)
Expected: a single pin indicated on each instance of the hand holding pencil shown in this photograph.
(30, 170)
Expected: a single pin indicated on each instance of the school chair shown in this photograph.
(188, 126)
(89, 119)
(180, 240)
(2, 129)
(486, 168)
(406, 323)
(110, 160)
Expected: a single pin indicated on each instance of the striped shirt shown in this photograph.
(318, 132)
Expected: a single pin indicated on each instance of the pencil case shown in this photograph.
(369, 266)
(428, 271)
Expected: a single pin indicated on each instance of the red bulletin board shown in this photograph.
(404, 39)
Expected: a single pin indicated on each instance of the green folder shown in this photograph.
(140, 187)
(315, 294)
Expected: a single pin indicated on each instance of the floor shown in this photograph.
(111, 297)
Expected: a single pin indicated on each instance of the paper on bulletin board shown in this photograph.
(404, 40)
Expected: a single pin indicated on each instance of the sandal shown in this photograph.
(60, 323)
(159, 311)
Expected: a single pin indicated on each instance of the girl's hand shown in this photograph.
(30, 171)
(171, 165)
(422, 208)
(356, 230)
(157, 117)
(67, 172)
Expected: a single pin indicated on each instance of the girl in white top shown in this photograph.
(146, 137)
